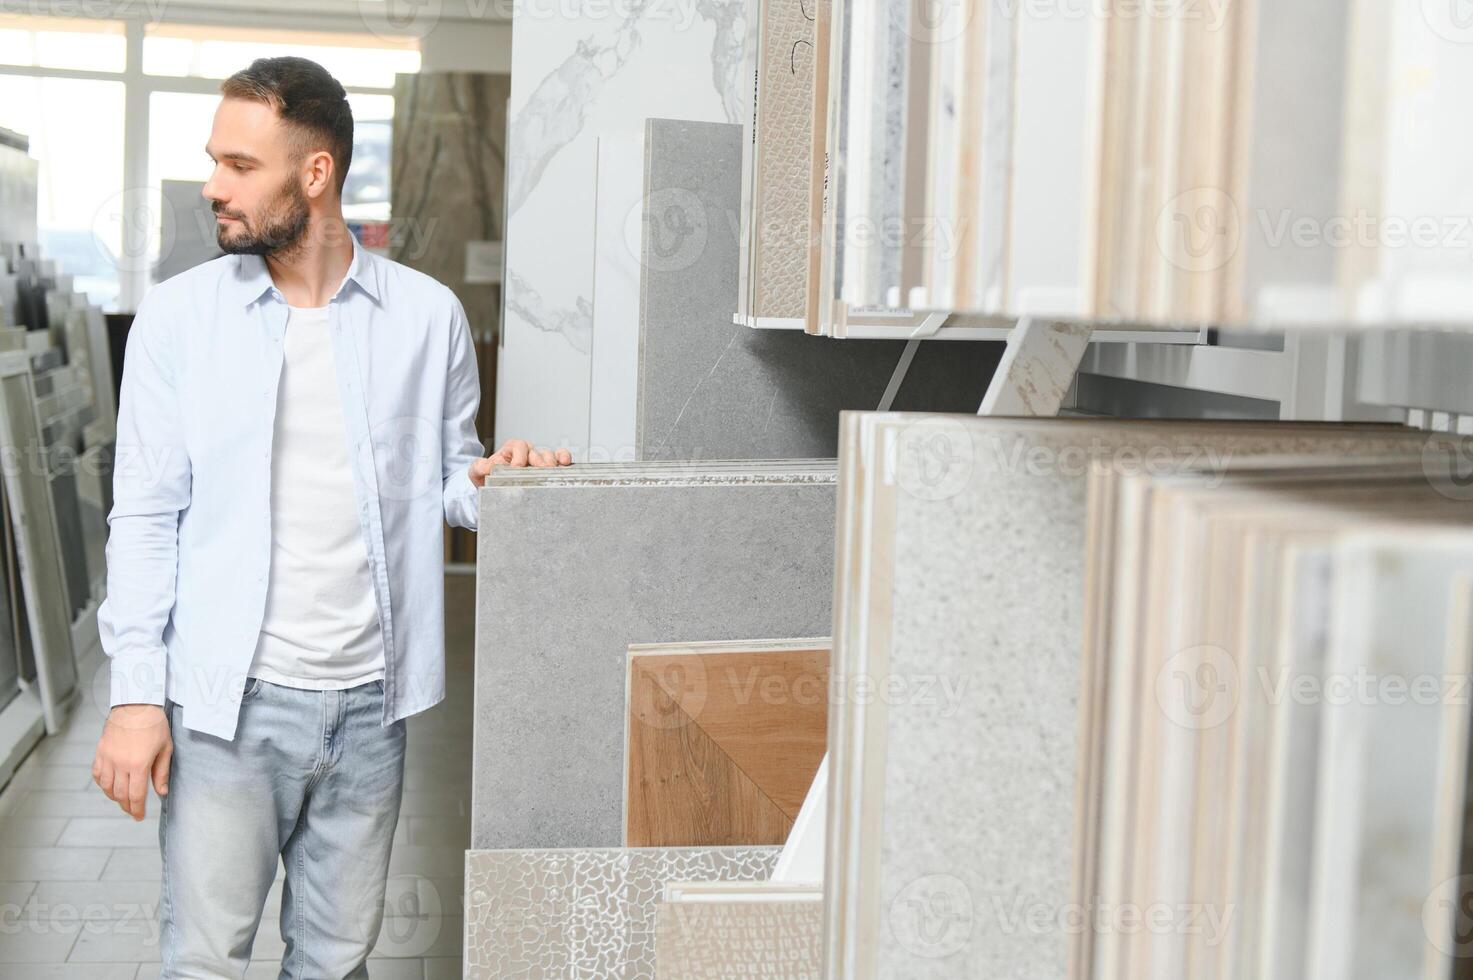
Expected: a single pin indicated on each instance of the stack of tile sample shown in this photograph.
(579, 563)
(1276, 729)
(730, 930)
(960, 597)
(1114, 162)
(776, 164)
(723, 740)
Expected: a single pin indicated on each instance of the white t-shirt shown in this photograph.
(321, 628)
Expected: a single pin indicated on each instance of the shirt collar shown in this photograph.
(253, 280)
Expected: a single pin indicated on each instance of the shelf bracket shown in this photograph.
(1036, 370)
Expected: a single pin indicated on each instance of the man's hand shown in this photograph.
(517, 452)
(135, 746)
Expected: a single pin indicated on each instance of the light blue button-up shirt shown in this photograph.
(189, 550)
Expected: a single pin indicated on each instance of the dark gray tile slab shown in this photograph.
(712, 389)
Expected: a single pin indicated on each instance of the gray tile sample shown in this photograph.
(961, 556)
(712, 389)
(19, 176)
(583, 914)
(73, 539)
(574, 565)
(32, 514)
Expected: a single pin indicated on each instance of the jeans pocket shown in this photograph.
(252, 688)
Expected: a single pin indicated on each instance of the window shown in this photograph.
(190, 51)
(50, 42)
(80, 202)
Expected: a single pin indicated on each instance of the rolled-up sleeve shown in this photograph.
(461, 446)
(151, 486)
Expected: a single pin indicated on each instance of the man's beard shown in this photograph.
(280, 226)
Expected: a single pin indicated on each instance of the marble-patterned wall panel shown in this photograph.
(573, 568)
(602, 69)
(582, 914)
(711, 389)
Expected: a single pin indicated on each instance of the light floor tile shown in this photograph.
(39, 941)
(52, 863)
(133, 864)
(71, 803)
(119, 831)
(133, 940)
(31, 831)
(70, 971)
(115, 899)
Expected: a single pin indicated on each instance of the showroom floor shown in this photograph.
(79, 880)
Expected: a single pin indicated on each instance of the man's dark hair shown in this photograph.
(307, 98)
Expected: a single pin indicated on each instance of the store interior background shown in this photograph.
(116, 102)
(559, 188)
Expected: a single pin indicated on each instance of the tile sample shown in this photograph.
(618, 232)
(711, 389)
(726, 931)
(960, 796)
(1388, 900)
(778, 234)
(582, 914)
(616, 555)
(723, 740)
(33, 518)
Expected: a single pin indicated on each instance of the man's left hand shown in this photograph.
(518, 452)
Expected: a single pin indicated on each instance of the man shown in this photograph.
(297, 422)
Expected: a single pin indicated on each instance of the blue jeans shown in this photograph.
(313, 777)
